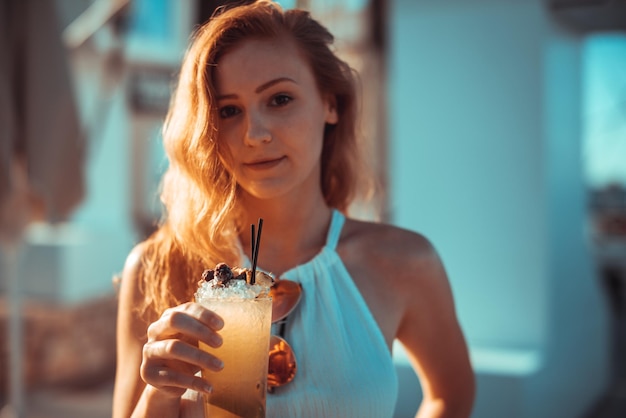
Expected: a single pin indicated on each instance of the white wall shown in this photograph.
(485, 161)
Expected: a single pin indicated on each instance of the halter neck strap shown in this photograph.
(334, 232)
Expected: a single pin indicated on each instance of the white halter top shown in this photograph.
(345, 368)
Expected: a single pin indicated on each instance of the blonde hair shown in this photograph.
(202, 220)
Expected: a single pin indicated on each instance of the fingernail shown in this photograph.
(217, 340)
(217, 323)
(219, 364)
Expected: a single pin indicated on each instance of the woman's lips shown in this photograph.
(261, 165)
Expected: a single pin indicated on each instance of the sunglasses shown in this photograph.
(282, 361)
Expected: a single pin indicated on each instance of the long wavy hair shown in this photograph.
(202, 220)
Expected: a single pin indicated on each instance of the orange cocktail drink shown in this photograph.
(239, 389)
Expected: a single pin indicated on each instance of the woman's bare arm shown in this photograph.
(432, 336)
(164, 353)
(131, 337)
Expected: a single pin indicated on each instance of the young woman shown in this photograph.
(262, 125)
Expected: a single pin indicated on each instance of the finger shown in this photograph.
(200, 312)
(181, 351)
(208, 317)
(186, 324)
(165, 378)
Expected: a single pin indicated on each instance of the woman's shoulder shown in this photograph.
(386, 240)
(134, 257)
(133, 268)
(134, 263)
(399, 254)
(145, 253)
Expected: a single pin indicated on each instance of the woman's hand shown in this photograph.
(171, 357)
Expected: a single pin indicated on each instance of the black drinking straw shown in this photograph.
(253, 238)
(255, 249)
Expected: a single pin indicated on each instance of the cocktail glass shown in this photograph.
(239, 389)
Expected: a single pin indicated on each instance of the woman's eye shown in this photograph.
(228, 112)
(280, 100)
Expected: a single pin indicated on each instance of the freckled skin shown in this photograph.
(271, 110)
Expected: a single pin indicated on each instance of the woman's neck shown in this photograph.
(293, 232)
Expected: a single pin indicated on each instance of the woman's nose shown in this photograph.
(257, 130)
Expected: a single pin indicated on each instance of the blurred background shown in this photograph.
(496, 128)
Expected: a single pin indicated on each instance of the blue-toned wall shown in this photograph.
(485, 117)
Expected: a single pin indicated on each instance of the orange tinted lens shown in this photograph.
(282, 363)
(285, 297)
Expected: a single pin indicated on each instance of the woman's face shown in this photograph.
(271, 118)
